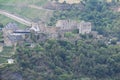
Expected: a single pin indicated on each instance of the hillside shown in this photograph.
(73, 41)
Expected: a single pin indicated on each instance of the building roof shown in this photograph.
(48, 29)
(1, 44)
(85, 24)
(22, 31)
(12, 26)
(15, 38)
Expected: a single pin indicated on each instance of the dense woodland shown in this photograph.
(62, 60)
(84, 59)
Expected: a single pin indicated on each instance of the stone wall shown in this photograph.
(63, 26)
(84, 27)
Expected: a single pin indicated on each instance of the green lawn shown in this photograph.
(4, 20)
(23, 11)
(23, 1)
(26, 12)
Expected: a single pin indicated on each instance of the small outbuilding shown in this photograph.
(10, 61)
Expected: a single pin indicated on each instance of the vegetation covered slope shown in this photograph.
(62, 60)
(85, 59)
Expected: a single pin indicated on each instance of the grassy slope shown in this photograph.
(4, 20)
(19, 7)
(23, 1)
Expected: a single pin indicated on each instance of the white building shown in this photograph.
(10, 61)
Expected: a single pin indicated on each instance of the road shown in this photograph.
(16, 18)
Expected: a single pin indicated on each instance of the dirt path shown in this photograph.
(16, 18)
(34, 26)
